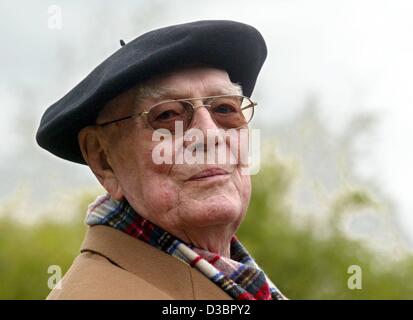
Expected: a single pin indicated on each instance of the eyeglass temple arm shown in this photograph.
(113, 121)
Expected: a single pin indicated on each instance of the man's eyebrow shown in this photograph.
(172, 93)
(232, 88)
(167, 93)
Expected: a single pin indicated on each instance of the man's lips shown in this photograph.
(208, 173)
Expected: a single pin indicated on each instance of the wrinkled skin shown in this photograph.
(205, 212)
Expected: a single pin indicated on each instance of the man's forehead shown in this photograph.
(187, 82)
(192, 91)
(182, 83)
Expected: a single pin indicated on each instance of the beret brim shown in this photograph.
(232, 46)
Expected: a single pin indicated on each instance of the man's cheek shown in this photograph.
(163, 170)
(151, 164)
(162, 195)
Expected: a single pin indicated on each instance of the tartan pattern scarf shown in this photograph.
(239, 276)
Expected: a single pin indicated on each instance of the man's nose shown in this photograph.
(203, 121)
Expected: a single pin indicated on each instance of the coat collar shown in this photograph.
(163, 271)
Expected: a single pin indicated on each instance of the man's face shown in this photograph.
(170, 195)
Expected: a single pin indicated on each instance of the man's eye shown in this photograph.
(225, 109)
(167, 115)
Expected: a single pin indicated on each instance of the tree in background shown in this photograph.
(310, 259)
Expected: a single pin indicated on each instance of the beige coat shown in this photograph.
(114, 265)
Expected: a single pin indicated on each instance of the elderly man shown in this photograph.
(164, 230)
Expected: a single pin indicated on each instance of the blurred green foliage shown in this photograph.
(311, 261)
(27, 251)
(305, 260)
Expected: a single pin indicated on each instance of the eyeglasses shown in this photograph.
(228, 112)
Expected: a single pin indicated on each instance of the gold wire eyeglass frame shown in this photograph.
(144, 114)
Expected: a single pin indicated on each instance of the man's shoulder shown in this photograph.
(114, 265)
(93, 276)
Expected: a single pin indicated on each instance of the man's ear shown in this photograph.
(92, 143)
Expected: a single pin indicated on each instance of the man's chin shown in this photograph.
(215, 214)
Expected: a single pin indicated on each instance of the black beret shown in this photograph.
(232, 46)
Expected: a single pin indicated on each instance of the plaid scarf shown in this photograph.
(239, 276)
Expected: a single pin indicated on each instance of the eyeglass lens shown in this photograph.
(227, 111)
